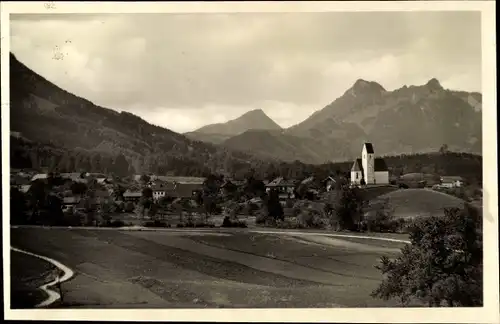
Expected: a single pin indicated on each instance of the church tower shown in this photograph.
(368, 162)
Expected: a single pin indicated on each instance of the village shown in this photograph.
(99, 199)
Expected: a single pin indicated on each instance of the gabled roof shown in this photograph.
(71, 200)
(25, 188)
(380, 165)
(228, 183)
(451, 178)
(163, 186)
(357, 165)
(129, 193)
(185, 190)
(307, 180)
(329, 178)
(281, 182)
(369, 148)
(40, 176)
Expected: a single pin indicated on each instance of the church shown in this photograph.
(369, 168)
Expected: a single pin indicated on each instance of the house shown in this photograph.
(329, 183)
(283, 186)
(18, 181)
(369, 168)
(418, 180)
(102, 181)
(70, 203)
(452, 181)
(133, 196)
(162, 189)
(187, 190)
(228, 187)
(24, 188)
(40, 176)
(74, 176)
(102, 196)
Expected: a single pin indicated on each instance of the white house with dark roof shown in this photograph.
(373, 170)
(452, 181)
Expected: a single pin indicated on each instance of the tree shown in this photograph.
(347, 209)
(145, 178)
(37, 198)
(129, 207)
(209, 195)
(443, 263)
(54, 214)
(78, 188)
(18, 207)
(274, 208)
(121, 166)
(146, 200)
(118, 192)
(254, 187)
(443, 149)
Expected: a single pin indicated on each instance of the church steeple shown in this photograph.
(368, 161)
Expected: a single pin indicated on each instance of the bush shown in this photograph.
(197, 224)
(156, 223)
(260, 219)
(310, 219)
(114, 223)
(250, 208)
(233, 223)
(290, 223)
(442, 265)
(129, 207)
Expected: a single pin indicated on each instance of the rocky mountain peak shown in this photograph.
(362, 87)
(434, 84)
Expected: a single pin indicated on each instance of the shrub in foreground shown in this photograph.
(195, 224)
(227, 222)
(113, 223)
(156, 223)
(442, 265)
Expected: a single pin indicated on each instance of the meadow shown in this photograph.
(209, 268)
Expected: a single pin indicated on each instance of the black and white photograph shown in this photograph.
(250, 158)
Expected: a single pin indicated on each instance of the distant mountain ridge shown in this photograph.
(407, 120)
(45, 113)
(217, 133)
(410, 119)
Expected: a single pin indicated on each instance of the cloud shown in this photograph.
(183, 71)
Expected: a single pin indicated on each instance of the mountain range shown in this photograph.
(410, 119)
(42, 112)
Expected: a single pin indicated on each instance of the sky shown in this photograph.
(184, 71)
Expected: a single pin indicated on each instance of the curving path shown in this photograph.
(52, 296)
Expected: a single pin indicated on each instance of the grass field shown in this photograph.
(210, 269)
(420, 202)
(30, 273)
